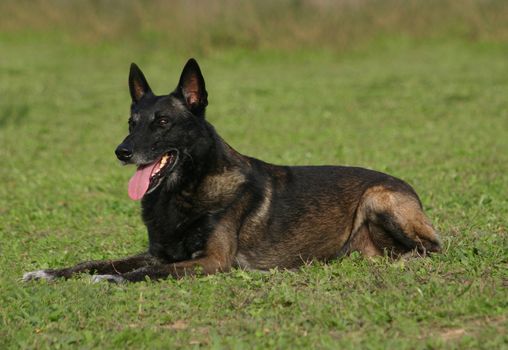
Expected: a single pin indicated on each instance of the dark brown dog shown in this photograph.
(208, 208)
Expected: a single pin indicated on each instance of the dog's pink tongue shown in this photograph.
(139, 182)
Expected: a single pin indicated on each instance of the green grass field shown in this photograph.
(433, 112)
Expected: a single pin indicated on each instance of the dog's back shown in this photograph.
(297, 214)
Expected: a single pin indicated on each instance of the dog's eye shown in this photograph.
(162, 121)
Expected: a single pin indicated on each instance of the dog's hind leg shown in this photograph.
(109, 267)
(393, 221)
(361, 241)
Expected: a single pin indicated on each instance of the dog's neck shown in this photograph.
(218, 170)
(213, 181)
(222, 162)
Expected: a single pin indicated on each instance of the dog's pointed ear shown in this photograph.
(138, 85)
(192, 87)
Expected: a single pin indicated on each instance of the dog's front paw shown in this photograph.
(38, 275)
(109, 278)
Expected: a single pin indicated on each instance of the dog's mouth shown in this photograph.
(149, 176)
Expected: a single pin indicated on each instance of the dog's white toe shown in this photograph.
(108, 278)
(37, 275)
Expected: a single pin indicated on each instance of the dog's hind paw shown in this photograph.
(108, 278)
(37, 275)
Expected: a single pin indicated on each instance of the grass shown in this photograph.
(203, 27)
(434, 114)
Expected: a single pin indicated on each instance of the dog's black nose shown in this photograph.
(123, 153)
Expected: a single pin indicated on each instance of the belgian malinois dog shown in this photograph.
(209, 209)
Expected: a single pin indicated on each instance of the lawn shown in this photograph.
(433, 112)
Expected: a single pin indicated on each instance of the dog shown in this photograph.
(208, 208)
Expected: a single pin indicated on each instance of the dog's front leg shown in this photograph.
(109, 267)
(218, 257)
(204, 265)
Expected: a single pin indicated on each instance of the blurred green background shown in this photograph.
(203, 27)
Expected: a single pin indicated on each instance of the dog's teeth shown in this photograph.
(163, 162)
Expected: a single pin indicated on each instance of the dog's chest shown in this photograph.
(175, 234)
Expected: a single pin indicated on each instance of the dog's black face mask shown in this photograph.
(166, 133)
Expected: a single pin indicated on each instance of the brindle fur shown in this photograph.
(219, 210)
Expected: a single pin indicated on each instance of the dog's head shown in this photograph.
(165, 132)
